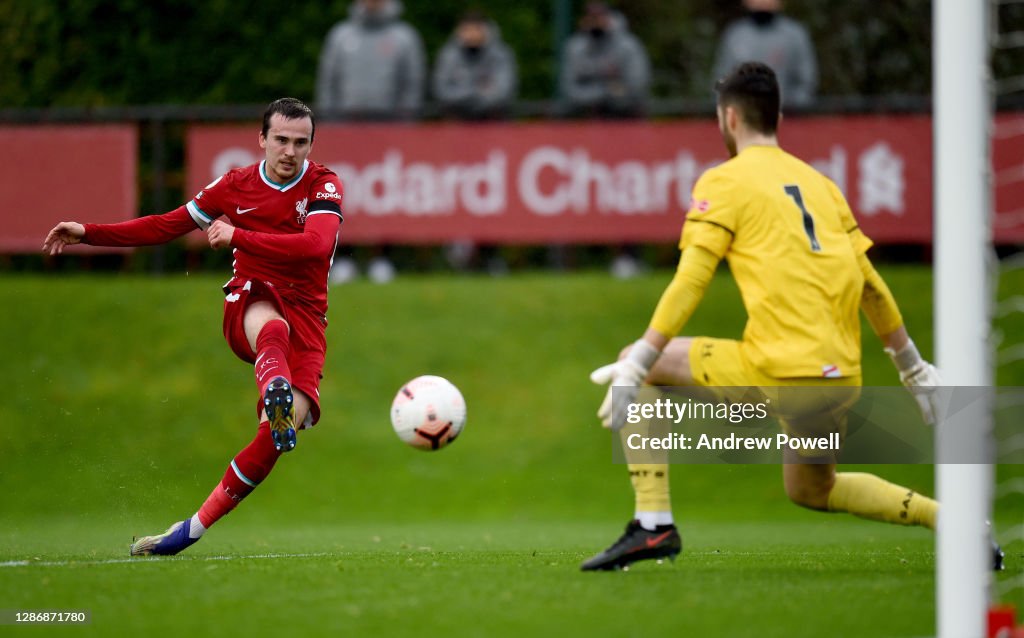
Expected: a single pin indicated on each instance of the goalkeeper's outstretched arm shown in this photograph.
(681, 297)
(883, 314)
(696, 268)
(880, 307)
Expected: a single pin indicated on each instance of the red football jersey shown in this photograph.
(253, 202)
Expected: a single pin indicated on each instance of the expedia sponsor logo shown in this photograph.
(328, 195)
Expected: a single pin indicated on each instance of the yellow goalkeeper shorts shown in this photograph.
(818, 410)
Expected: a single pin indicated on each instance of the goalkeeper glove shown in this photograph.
(627, 374)
(920, 377)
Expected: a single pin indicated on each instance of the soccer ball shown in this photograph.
(428, 412)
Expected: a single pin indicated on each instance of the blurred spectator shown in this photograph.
(765, 35)
(606, 70)
(475, 75)
(343, 270)
(372, 65)
(380, 270)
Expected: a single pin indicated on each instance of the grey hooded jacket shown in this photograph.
(783, 44)
(607, 74)
(372, 66)
(476, 84)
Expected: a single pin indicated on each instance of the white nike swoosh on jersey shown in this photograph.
(242, 211)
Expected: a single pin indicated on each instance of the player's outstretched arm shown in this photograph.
(141, 231)
(680, 299)
(627, 374)
(919, 376)
(63, 234)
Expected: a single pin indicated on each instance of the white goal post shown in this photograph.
(963, 300)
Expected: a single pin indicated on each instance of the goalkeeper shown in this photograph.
(799, 259)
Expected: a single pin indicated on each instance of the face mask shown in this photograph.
(762, 18)
(472, 51)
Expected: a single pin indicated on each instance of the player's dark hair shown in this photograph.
(753, 89)
(290, 109)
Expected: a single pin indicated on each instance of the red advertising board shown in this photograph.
(59, 173)
(1008, 178)
(601, 182)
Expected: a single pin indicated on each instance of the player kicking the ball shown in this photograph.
(799, 259)
(284, 216)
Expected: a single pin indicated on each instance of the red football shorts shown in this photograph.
(306, 339)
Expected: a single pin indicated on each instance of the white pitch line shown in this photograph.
(147, 560)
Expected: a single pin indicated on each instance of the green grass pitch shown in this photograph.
(123, 405)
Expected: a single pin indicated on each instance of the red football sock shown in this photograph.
(247, 469)
(272, 353)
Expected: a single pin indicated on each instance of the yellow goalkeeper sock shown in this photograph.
(869, 496)
(650, 484)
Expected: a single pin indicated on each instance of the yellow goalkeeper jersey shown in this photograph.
(791, 242)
